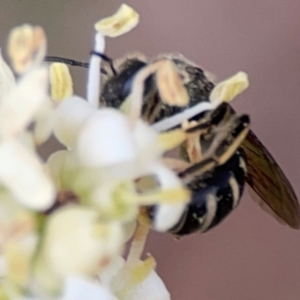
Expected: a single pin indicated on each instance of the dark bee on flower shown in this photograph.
(228, 155)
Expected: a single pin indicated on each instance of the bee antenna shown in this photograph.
(70, 62)
(107, 59)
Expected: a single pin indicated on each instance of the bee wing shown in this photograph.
(267, 179)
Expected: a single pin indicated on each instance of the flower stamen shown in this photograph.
(93, 86)
(61, 81)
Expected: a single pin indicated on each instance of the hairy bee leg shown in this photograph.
(221, 150)
(227, 148)
(191, 144)
(195, 130)
(197, 169)
(212, 118)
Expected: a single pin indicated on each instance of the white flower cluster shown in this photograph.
(64, 222)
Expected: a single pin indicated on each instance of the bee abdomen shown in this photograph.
(214, 196)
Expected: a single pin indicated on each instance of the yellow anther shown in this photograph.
(142, 271)
(137, 274)
(26, 47)
(61, 81)
(166, 196)
(228, 89)
(124, 20)
(172, 139)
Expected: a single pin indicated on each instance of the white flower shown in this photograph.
(68, 119)
(90, 242)
(23, 102)
(77, 288)
(18, 240)
(116, 147)
(64, 225)
(22, 171)
(106, 139)
(7, 79)
(147, 286)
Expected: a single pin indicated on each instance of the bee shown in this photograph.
(230, 153)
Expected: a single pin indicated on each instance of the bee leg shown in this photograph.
(197, 129)
(192, 145)
(212, 118)
(229, 145)
(223, 146)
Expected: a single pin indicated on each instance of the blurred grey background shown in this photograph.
(250, 256)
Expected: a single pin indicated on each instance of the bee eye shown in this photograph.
(129, 70)
(194, 71)
(127, 87)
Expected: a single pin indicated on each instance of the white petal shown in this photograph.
(19, 254)
(147, 141)
(9, 211)
(3, 266)
(26, 139)
(77, 288)
(22, 173)
(42, 129)
(56, 163)
(111, 271)
(106, 139)
(69, 118)
(19, 107)
(76, 230)
(43, 124)
(7, 79)
(167, 215)
(152, 288)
